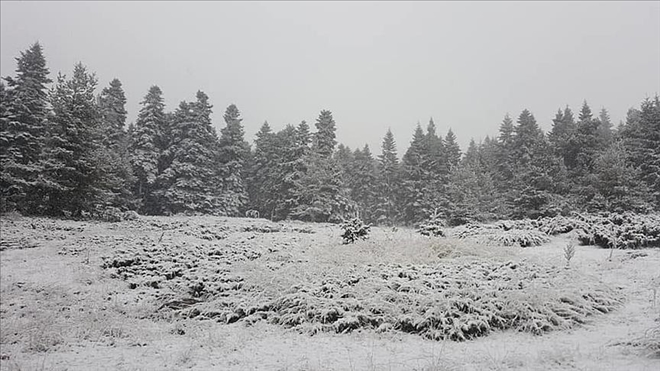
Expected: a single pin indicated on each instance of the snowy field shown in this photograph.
(202, 293)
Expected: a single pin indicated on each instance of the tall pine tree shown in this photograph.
(112, 107)
(192, 182)
(386, 207)
(24, 115)
(77, 164)
(148, 142)
(233, 152)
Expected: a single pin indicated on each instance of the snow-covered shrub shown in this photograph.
(501, 234)
(354, 229)
(110, 214)
(621, 231)
(522, 237)
(434, 226)
(440, 302)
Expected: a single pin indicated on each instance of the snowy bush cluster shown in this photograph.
(354, 230)
(453, 302)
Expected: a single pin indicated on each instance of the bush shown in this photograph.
(503, 234)
(355, 229)
(434, 226)
(620, 231)
(440, 302)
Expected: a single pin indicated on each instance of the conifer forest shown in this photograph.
(67, 150)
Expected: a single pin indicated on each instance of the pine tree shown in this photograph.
(321, 193)
(586, 146)
(471, 190)
(22, 138)
(452, 151)
(527, 137)
(363, 185)
(262, 172)
(192, 180)
(233, 151)
(561, 136)
(605, 127)
(293, 144)
(344, 159)
(148, 142)
(641, 135)
(535, 168)
(388, 182)
(77, 164)
(324, 139)
(505, 161)
(112, 102)
(617, 184)
(434, 145)
(414, 180)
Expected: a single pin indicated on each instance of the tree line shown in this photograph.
(66, 150)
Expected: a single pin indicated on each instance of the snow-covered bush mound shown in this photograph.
(447, 301)
(500, 235)
(621, 231)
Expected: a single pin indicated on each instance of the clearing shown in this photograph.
(213, 293)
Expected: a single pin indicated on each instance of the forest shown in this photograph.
(66, 150)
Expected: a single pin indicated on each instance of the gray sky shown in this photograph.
(373, 64)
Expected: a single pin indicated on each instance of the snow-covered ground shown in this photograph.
(171, 293)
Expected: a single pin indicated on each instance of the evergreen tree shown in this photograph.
(471, 190)
(112, 102)
(452, 151)
(586, 146)
(435, 162)
(434, 145)
(321, 194)
(363, 185)
(192, 183)
(505, 156)
(233, 154)
(262, 172)
(77, 165)
(324, 139)
(24, 114)
(344, 159)
(291, 169)
(148, 142)
(641, 135)
(605, 127)
(535, 172)
(388, 182)
(527, 137)
(561, 136)
(472, 154)
(617, 183)
(414, 178)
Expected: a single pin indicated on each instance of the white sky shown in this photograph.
(373, 64)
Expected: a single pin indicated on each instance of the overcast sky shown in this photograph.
(373, 64)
